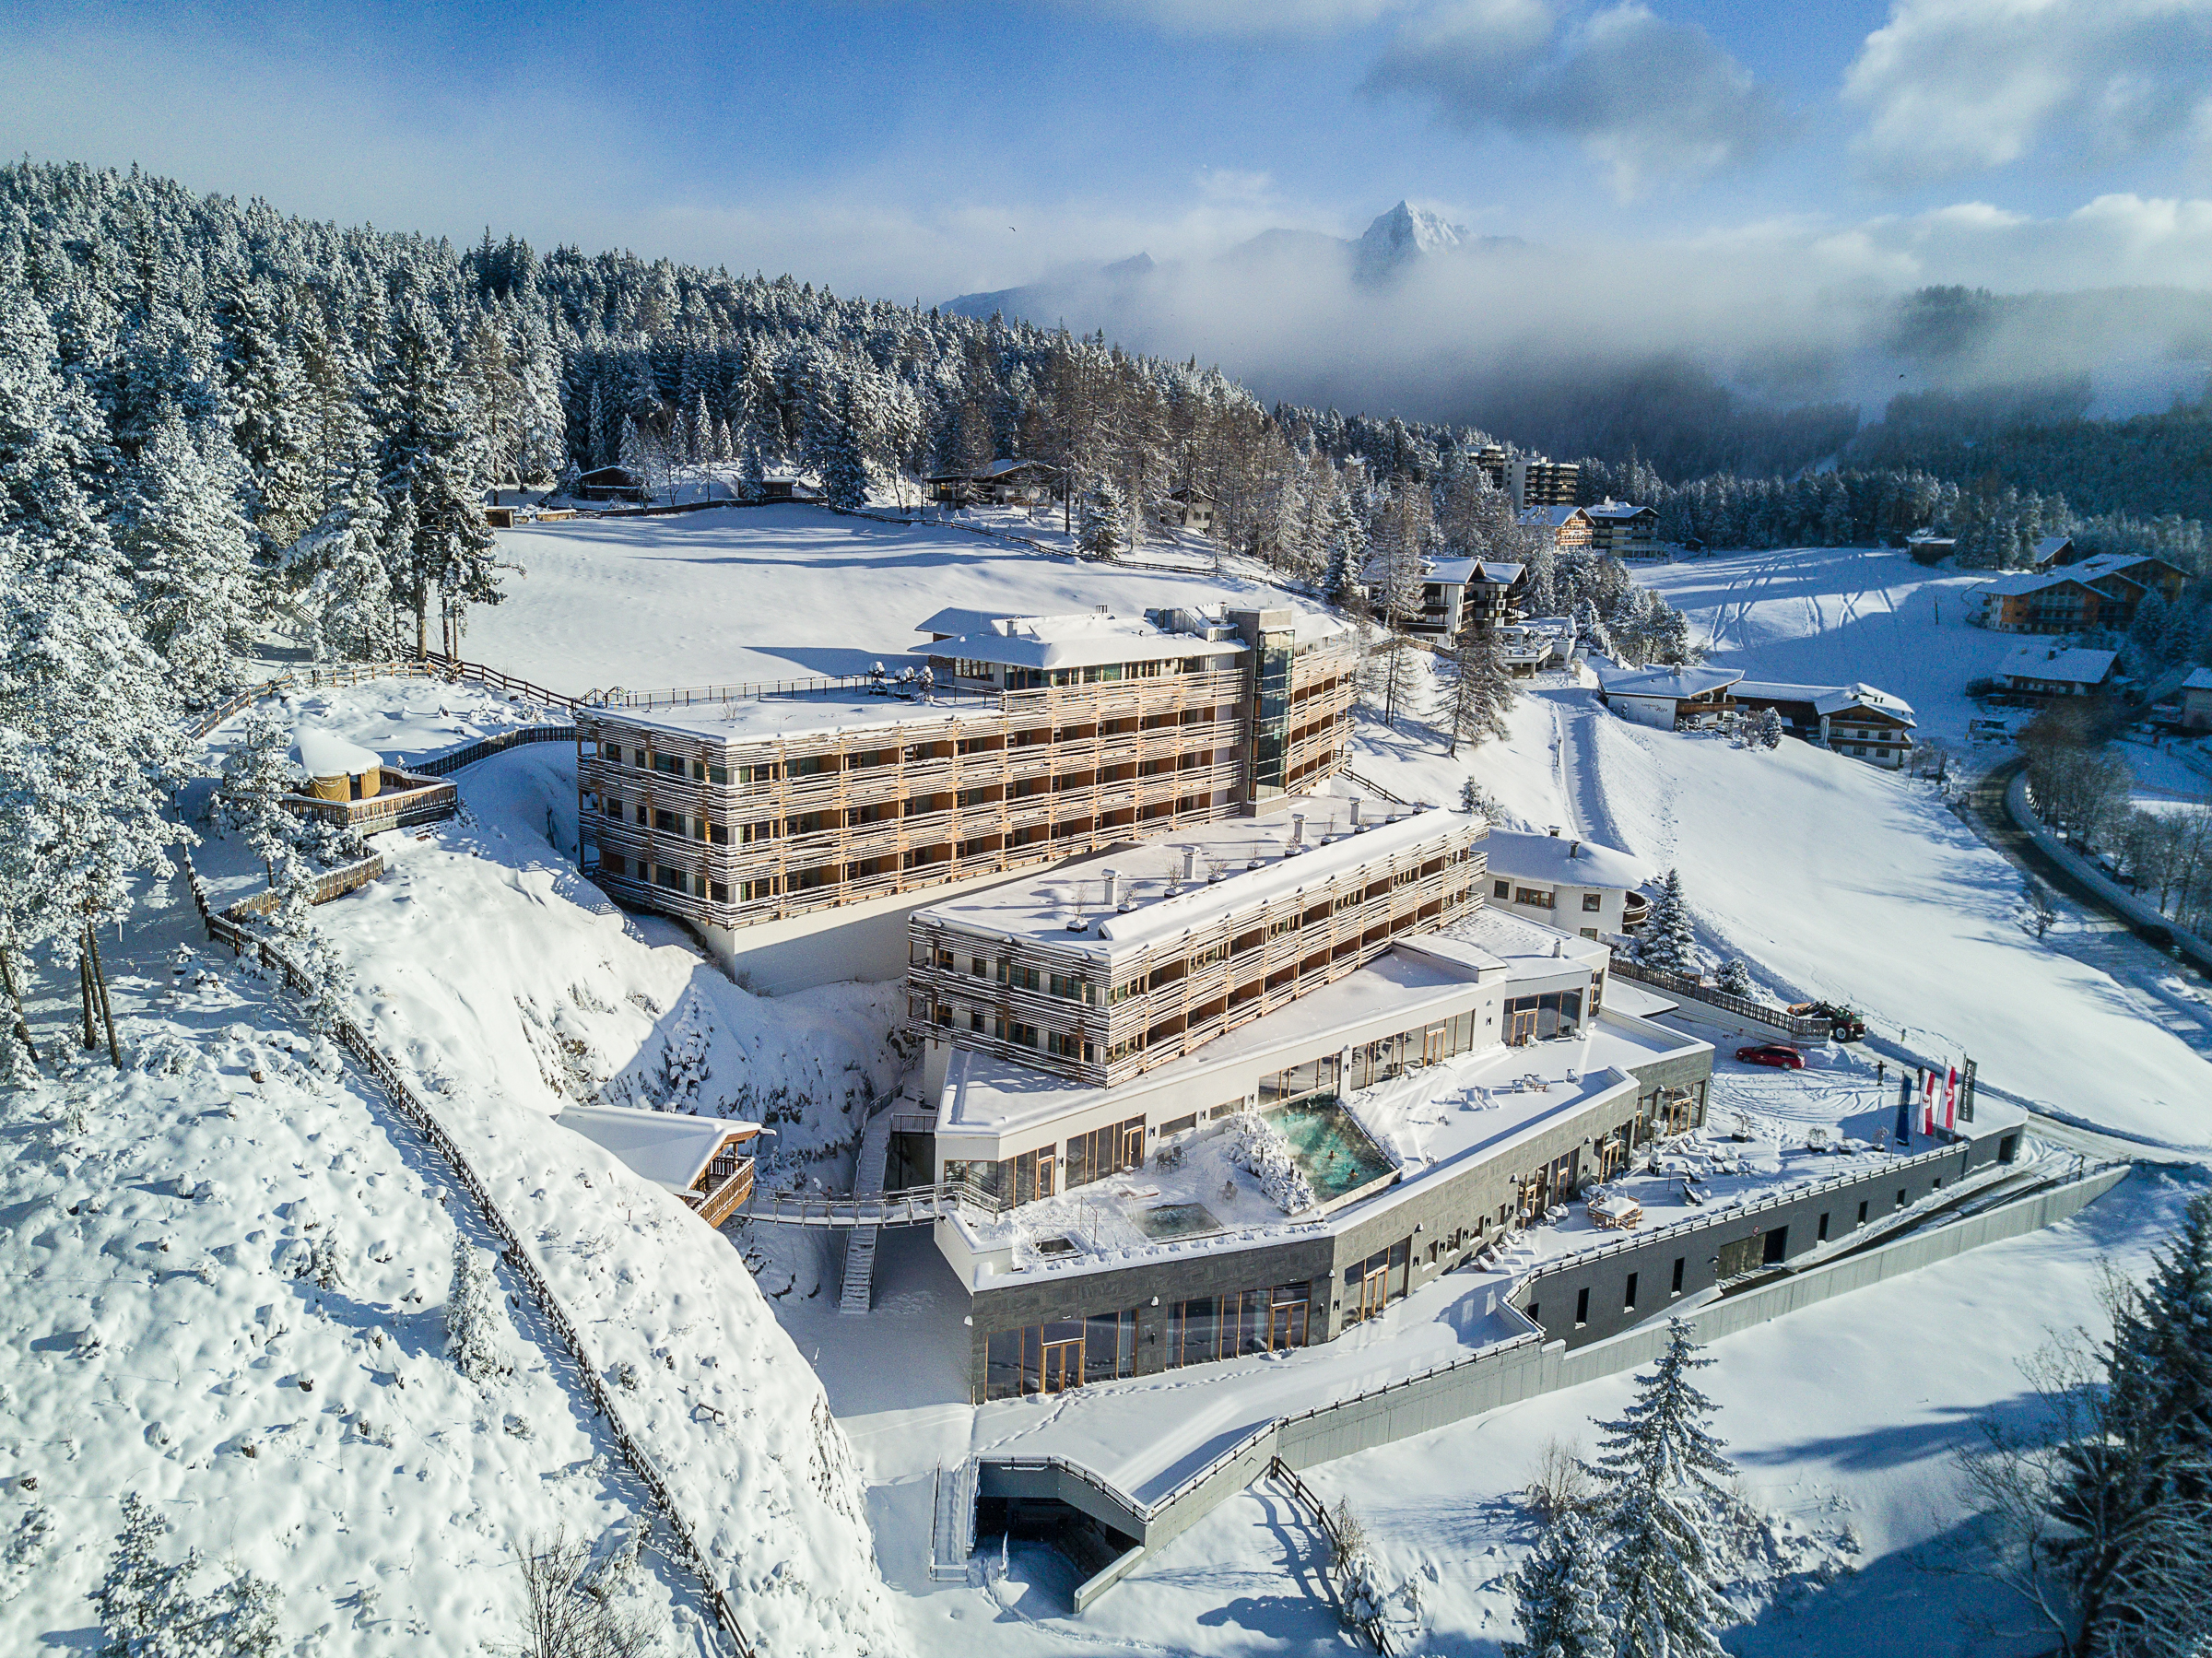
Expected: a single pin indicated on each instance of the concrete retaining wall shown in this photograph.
(1524, 1368)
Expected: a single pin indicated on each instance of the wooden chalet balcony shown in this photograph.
(724, 1189)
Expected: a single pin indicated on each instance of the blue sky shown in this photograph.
(923, 149)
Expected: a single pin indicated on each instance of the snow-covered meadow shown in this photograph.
(225, 1271)
(773, 593)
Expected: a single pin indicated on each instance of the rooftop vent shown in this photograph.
(1113, 888)
(1298, 829)
(1355, 823)
(1189, 863)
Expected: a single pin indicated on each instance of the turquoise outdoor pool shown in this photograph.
(1332, 1149)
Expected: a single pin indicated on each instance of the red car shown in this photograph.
(1781, 1055)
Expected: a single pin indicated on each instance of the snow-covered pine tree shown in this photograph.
(259, 374)
(1662, 1500)
(257, 773)
(88, 741)
(1592, 632)
(752, 465)
(147, 1608)
(1662, 1442)
(1473, 798)
(1473, 703)
(1102, 522)
(189, 549)
(1768, 731)
(432, 469)
(1560, 1595)
(1734, 977)
(474, 1323)
(2136, 1498)
(340, 587)
(842, 456)
(145, 1603)
(1669, 940)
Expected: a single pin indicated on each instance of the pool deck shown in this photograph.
(1431, 1123)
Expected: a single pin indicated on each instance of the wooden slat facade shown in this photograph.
(811, 822)
(1250, 960)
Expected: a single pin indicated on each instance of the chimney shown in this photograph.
(1113, 888)
(1103, 609)
(1356, 811)
(1574, 849)
(1189, 863)
(1553, 830)
(1298, 829)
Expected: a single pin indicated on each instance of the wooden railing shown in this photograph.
(331, 884)
(1781, 1018)
(1303, 1494)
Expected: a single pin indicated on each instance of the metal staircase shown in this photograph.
(860, 1245)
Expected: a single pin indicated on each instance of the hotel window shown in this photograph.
(1537, 898)
(1103, 1152)
(1066, 1353)
(612, 808)
(1071, 987)
(1592, 900)
(669, 763)
(611, 863)
(1067, 1047)
(1209, 1328)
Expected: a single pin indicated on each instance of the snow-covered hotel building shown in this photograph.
(796, 826)
(1430, 1073)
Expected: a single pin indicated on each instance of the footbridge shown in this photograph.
(907, 1207)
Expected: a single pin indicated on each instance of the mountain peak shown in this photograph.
(1406, 232)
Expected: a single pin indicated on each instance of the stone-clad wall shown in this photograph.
(1554, 1296)
(1463, 1204)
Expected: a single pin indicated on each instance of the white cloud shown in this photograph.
(1641, 95)
(1953, 87)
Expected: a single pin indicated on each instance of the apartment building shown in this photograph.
(1104, 970)
(1100, 1038)
(768, 816)
(1622, 530)
(1568, 526)
(1530, 480)
(2073, 595)
(1461, 597)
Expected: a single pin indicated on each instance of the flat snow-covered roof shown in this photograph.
(1083, 640)
(752, 719)
(987, 1094)
(1040, 907)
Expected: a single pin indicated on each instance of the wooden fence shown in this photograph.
(1303, 1494)
(691, 1553)
(1802, 1026)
